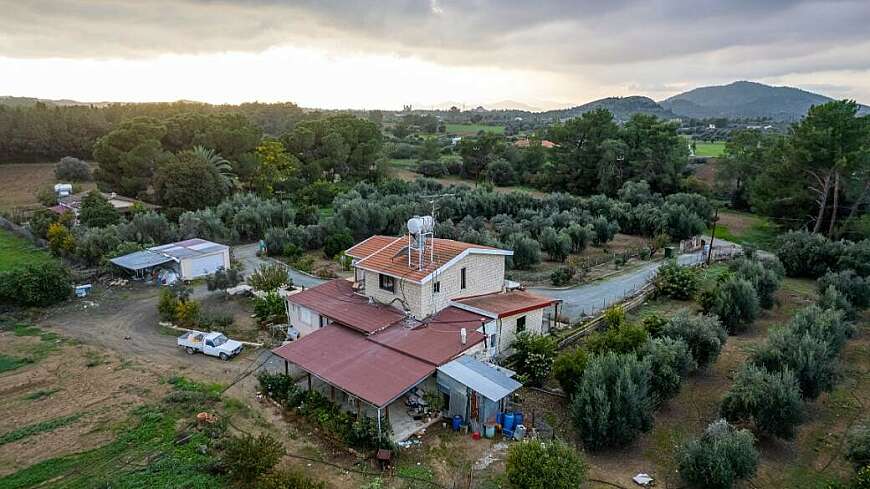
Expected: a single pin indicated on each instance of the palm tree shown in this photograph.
(218, 162)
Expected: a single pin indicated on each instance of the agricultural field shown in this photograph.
(812, 460)
(21, 181)
(712, 150)
(473, 129)
(16, 251)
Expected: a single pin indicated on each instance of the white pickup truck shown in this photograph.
(214, 344)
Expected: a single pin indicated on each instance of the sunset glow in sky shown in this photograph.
(385, 54)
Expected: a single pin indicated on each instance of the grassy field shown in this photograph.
(713, 150)
(746, 229)
(472, 129)
(15, 251)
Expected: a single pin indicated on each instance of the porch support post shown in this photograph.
(286, 367)
(379, 422)
(309, 382)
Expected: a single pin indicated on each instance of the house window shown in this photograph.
(387, 283)
(492, 342)
(521, 324)
(436, 287)
(462, 279)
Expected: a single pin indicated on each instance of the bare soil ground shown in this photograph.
(21, 181)
(73, 380)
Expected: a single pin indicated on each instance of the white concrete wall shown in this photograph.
(484, 275)
(303, 319)
(508, 326)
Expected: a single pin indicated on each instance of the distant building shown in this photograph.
(73, 203)
(526, 142)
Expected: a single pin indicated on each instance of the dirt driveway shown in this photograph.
(125, 321)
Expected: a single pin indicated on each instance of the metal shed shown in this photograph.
(476, 389)
(140, 261)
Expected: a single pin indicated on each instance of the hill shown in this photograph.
(622, 108)
(28, 101)
(744, 99)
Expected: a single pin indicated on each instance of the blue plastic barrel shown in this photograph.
(457, 422)
(499, 419)
(518, 419)
(509, 422)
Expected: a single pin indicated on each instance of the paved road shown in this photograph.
(247, 254)
(590, 299)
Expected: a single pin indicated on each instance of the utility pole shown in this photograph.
(712, 236)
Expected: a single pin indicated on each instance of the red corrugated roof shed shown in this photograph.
(437, 340)
(369, 245)
(349, 361)
(505, 304)
(392, 259)
(337, 300)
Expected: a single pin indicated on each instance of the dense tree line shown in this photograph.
(816, 176)
(41, 132)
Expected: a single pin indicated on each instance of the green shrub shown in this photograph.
(281, 388)
(763, 275)
(72, 170)
(808, 357)
(850, 284)
(246, 457)
(675, 281)
(167, 305)
(568, 369)
(654, 325)
(612, 405)
(527, 251)
(270, 308)
(858, 446)
(35, 285)
(96, 211)
(534, 354)
(562, 276)
(614, 316)
(704, 335)
(269, 278)
(831, 298)
(288, 479)
(735, 302)
(805, 254)
(721, 457)
(432, 169)
(828, 325)
(626, 338)
(336, 243)
(532, 464)
(223, 279)
(769, 400)
(670, 363)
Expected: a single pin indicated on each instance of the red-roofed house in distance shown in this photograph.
(438, 310)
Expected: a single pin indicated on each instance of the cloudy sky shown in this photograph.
(363, 54)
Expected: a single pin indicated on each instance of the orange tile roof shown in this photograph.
(369, 245)
(392, 259)
(504, 304)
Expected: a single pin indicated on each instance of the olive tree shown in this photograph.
(769, 400)
(533, 464)
(736, 303)
(670, 363)
(612, 405)
(703, 334)
(810, 358)
(722, 456)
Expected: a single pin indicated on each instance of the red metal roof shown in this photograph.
(369, 245)
(337, 300)
(436, 340)
(349, 361)
(392, 259)
(505, 304)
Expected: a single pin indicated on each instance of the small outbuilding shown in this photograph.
(191, 258)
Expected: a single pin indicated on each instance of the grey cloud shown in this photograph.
(603, 39)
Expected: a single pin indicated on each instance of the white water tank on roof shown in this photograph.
(421, 224)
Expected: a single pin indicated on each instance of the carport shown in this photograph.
(141, 262)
